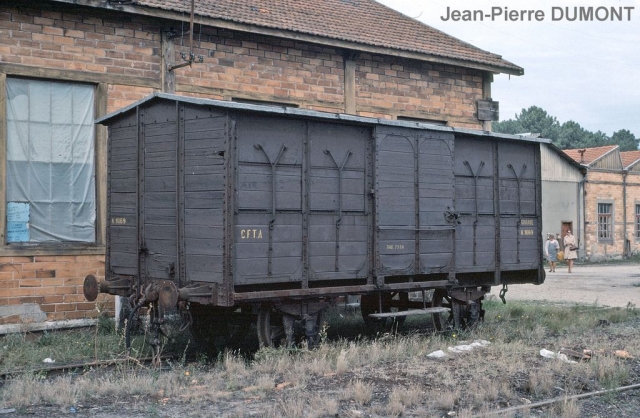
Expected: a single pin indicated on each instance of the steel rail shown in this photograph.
(6, 375)
(501, 412)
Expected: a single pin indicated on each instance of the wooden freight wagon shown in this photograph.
(220, 208)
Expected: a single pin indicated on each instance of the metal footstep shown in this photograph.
(425, 311)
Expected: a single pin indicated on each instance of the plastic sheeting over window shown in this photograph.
(50, 159)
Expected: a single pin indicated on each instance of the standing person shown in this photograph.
(551, 248)
(570, 249)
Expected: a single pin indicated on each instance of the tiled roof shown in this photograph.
(359, 21)
(590, 154)
(629, 157)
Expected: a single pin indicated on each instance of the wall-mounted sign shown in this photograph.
(17, 222)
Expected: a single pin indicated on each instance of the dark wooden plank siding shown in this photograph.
(122, 218)
(436, 196)
(205, 144)
(239, 197)
(267, 245)
(339, 245)
(519, 226)
(474, 169)
(396, 202)
(160, 191)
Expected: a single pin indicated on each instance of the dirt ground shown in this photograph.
(615, 285)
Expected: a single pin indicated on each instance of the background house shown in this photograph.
(562, 194)
(611, 201)
(64, 63)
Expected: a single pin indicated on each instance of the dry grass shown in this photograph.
(358, 376)
(359, 391)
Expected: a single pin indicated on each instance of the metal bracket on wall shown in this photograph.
(190, 57)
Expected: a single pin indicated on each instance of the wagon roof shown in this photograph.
(309, 114)
(361, 25)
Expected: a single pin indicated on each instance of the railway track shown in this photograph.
(54, 370)
(559, 399)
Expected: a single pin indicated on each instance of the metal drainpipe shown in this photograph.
(581, 183)
(624, 213)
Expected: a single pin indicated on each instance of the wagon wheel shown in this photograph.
(313, 339)
(277, 329)
(214, 329)
(460, 316)
(271, 328)
(441, 299)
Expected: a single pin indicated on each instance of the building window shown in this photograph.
(638, 221)
(50, 171)
(605, 222)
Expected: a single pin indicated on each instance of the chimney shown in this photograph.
(582, 151)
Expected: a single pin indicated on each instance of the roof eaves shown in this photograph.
(311, 114)
(511, 69)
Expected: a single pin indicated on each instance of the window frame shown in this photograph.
(100, 155)
(611, 223)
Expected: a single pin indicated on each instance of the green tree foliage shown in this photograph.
(566, 135)
(625, 139)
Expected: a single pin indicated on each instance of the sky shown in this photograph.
(585, 71)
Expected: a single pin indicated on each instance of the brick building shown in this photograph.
(611, 201)
(64, 62)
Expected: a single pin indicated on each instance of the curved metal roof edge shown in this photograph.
(314, 114)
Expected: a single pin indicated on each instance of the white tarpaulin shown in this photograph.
(50, 158)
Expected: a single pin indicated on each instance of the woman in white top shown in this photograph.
(569, 253)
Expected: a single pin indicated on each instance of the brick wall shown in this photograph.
(52, 41)
(266, 68)
(38, 288)
(412, 88)
(607, 187)
(76, 40)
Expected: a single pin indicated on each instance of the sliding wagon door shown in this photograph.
(414, 201)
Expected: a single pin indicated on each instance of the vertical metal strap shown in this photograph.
(306, 187)
(142, 247)
(180, 189)
(340, 169)
(475, 195)
(416, 194)
(272, 222)
(518, 180)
